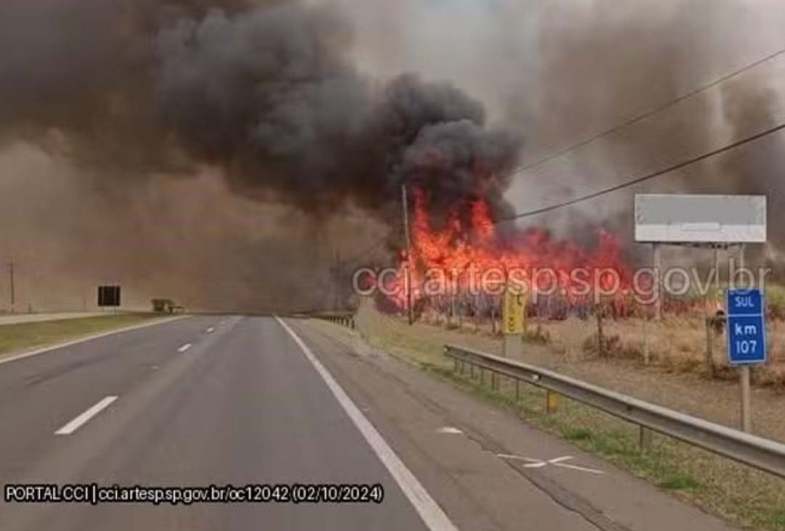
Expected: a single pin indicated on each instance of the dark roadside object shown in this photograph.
(717, 322)
(163, 305)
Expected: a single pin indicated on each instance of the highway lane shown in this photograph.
(241, 400)
(241, 405)
(40, 394)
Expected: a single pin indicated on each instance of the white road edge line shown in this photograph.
(79, 421)
(432, 515)
(59, 346)
(184, 347)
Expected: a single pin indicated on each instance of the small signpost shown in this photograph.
(746, 340)
(109, 296)
(513, 309)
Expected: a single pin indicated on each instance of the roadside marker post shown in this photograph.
(513, 308)
(746, 340)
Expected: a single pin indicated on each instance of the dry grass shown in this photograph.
(676, 377)
(676, 344)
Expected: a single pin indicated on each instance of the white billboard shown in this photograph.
(700, 218)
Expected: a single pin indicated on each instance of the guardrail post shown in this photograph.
(551, 402)
(517, 389)
(494, 381)
(645, 439)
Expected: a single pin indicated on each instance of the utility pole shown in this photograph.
(405, 199)
(11, 280)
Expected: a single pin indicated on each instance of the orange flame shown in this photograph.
(469, 247)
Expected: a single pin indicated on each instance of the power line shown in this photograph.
(646, 114)
(643, 178)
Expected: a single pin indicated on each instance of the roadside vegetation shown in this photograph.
(687, 340)
(737, 493)
(24, 336)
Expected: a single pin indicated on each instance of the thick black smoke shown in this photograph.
(264, 91)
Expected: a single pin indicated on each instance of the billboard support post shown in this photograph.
(657, 259)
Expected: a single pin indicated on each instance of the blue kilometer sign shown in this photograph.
(746, 327)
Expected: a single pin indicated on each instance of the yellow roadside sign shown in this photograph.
(513, 309)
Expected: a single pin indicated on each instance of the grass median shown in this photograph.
(25, 336)
(734, 492)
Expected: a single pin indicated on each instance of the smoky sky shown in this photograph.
(604, 63)
(263, 90)
(302, 106)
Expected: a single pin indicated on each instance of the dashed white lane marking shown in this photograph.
(211, 330)
(184, 347)
(449, 430)
(432, 515)
(559, 462)
(79, 421)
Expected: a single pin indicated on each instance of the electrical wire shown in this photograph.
(643, 178)
(647, 114)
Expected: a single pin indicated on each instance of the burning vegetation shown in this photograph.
(469, 258)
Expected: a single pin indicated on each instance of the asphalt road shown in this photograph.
(241, 406)
(245, 401)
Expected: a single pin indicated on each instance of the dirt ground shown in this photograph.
(676, 376)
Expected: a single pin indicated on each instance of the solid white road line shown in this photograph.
(44, 350)
(75, 424)
(430, 512)
(184, 347)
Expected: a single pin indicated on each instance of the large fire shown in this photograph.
(468, 255)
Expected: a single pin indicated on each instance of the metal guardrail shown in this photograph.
(341, 319)
(763, 454)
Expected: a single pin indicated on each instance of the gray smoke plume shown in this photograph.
(266, 92)
(566, 70)
(601, 63)
(215, 151)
